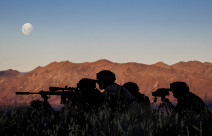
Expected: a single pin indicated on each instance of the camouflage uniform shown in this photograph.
(139, 98)
(115, 94)
(190, 103)
(91, 99)
(191, 109)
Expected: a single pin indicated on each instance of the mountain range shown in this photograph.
(196, 74)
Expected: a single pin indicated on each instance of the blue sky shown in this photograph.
(143, 31)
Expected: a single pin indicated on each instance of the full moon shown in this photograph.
(27, 28)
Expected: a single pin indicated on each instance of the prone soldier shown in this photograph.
(191, 109)
(114, 94)
(139, 97)
(187, 101)
(89, 96)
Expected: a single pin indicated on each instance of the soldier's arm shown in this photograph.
(170, 105)
(46, 103)
(128, 96)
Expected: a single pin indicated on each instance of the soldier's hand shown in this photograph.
(44, 96)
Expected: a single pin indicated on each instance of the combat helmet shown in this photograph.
(105, 78)
(179, 88)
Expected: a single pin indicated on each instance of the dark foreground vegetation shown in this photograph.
(125, 121)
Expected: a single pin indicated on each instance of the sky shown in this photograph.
(142, 31)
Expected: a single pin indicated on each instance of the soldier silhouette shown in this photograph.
(86, 100)
(113, 93)
(191, 108)
(89, 96)
(139, 98)
(187, 101)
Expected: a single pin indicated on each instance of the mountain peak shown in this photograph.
(103, 61)
(9, 73)
(189, 62)
(161, 64)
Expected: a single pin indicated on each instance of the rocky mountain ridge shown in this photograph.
(196, 74)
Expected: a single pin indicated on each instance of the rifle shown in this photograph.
(65, 93)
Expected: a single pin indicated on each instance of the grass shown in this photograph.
(132, 120)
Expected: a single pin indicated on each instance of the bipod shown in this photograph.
(165, 105)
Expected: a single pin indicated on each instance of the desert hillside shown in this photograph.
(196, 74)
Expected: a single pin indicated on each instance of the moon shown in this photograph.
(27, 28)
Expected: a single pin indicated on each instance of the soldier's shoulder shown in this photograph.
(113, 86)
(196, 99)
(194, 96)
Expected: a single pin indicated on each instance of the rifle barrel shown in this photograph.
(25, 93)
(45, 93)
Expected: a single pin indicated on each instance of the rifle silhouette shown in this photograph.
(65, 93)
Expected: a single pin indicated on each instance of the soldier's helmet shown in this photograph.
(86, 83)
(105, 77)
(132, 87)
(179, 89)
